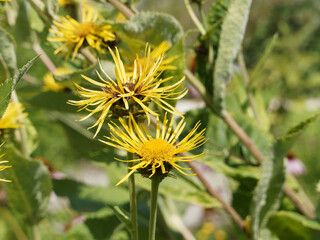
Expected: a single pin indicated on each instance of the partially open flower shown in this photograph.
(129, 94)
(50, 83)
(156, 156)
(157, 52)
(74, 34)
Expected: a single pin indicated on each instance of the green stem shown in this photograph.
(153, 208)
(133, 201)
(35, 232)
(194, 18)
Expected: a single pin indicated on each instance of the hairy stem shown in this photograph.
(122, 8)
(133, 201)
(194, 17)
(88, 55)
(153, 207)
(293, 197)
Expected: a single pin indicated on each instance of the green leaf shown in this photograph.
(123, 216)
(89, 198)
(216, 14)
(54, 101)
(268, 192)
(150, 27)
(233, 29)
(75, 77)
(7, 52)
(102, 223)
(293, 226)
(263, 59)
(28, 193)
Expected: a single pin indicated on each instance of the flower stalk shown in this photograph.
(133, 201)
(155, 182)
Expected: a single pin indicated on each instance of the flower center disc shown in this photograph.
(157, 150)
(84, 29)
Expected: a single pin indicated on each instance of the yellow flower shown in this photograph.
(75, 34)
(129, 94)
(3, 167)
(156, 53)
(155, 155)
(10, 118)
(50, 84)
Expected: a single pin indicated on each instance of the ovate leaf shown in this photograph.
(28, 193)
(150, 27)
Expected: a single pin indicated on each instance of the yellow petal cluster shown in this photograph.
(73, 34)
(143, 87)
(155, 152)
(10, 118)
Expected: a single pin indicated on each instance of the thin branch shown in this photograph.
(293, 197)
(230, 210)
(43, 56)
(122, 8)
(194, 18)
(242, 136)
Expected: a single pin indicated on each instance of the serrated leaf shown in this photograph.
(7, 51)
(268, 192)
(5, 95)
(293, 226)
(8, 86)
(232, 33)
(29, 192)
(23, 70)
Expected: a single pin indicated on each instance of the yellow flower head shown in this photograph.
(3, 167)
(155, 155)
(10, 118)
(156, 53)
(129, 94)
(50, 84)
(75, 34)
